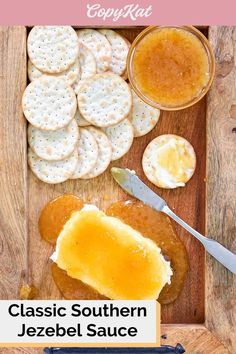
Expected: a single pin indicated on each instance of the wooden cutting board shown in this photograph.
(25, 257)
(188, 202)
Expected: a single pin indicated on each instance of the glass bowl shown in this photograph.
(145, 97)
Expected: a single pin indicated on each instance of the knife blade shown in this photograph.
(130, 182)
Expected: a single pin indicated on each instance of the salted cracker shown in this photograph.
(49, 103)
(70, 74)
(88, 66)
(104, 99)
(52, 171)
(120, 50)
(125, 74)
(54, 145)
(52, 49)
(104, 153)
(121, 138)
(157, 173)
(80, 119)
(33, 72)
(87, 153)
(143, 117)
(99, 46)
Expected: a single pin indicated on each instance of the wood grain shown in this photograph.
(13, 163)
(196, 339)
(188, 202)
(221, 185)
(21, 350)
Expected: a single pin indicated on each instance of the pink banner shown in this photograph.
(117, 13)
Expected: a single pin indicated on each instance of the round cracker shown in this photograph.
(104, 153)
(70, 75)
(125, 74)
(52, 171)
(80, 120)
(52, 49)
(87, 64)
(33, 72)
(121, 138)
(87, 152)
(99, 46)
(104, 99)
(152, 169)
(143, 117)
(49, 103)
(120, 50)
(54, 145)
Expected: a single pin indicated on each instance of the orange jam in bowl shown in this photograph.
(170, 67)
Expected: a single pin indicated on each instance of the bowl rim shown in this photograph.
(210, 55)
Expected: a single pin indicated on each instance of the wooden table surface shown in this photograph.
(24, 257)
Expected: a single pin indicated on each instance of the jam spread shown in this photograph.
(158, 227)
(151, 224)
(55, 214)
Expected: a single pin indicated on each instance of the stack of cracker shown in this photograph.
(82, 113)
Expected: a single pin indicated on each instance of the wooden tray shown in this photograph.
(202, 317)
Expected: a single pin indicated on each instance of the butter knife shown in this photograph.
(130, 182)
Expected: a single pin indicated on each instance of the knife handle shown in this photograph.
(164, 349)
(214, 248)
